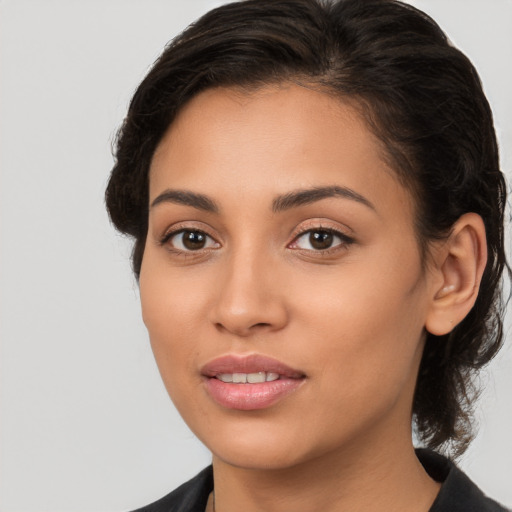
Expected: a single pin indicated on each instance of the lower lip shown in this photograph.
(249, 397)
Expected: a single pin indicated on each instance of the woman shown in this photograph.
(315, 197)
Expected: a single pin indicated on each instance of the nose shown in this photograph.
(251, 297)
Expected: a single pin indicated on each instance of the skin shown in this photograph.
(351, 318)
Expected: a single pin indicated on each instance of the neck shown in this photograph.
(390, 479)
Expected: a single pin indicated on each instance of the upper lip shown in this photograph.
(253, 363)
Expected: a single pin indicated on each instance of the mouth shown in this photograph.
(248, 378)
(249, 382)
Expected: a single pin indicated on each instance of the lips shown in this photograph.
(249, 382)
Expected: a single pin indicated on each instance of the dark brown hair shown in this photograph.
(420, 96)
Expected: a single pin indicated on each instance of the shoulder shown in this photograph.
(188, 497)
(458, 493)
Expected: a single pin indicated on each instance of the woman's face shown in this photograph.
(281, 250)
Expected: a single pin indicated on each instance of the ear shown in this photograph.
(457, 270)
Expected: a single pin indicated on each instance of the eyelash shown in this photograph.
(344, 240)
(171, 234)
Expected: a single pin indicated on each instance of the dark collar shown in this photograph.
(191, 496)
(458, 493)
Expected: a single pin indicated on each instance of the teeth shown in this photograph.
(239, 378)
(251, 378)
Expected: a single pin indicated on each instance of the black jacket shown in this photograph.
(458, 493)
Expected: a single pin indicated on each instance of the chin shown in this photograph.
(252, 443)
(266, 445)
(269, 457)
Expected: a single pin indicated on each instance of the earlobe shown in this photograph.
(459, 265)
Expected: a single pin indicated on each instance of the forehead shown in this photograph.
(277, 112)
(270, 140)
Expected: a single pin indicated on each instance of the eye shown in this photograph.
(320, 240)
(189, 240)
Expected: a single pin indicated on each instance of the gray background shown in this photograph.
(86, 424)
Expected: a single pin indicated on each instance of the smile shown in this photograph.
(249, 382)
(248, 378)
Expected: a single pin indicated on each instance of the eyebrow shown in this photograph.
(187, 198)
(307, 196)
(279, 204)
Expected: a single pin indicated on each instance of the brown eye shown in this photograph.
(191, 240)
(321, 240)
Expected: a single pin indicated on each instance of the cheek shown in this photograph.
(171, 308)
(172, 298)
(366, 329)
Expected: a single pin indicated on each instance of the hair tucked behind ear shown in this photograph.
(419, 95)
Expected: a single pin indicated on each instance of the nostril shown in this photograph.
(261, 324)
(245, 314)
(243, 331)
